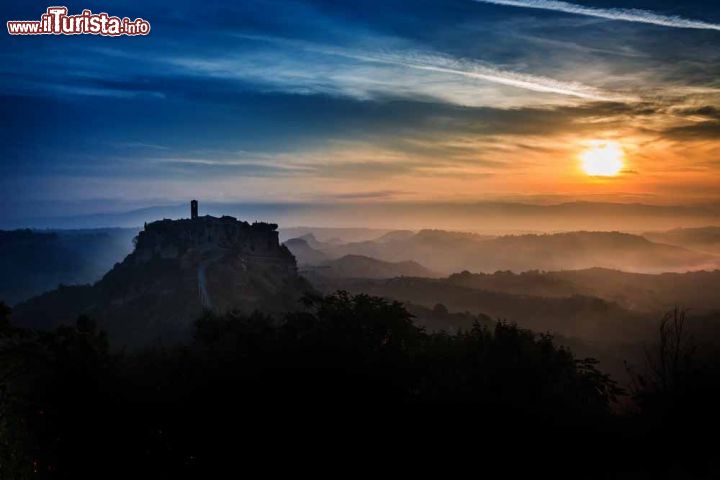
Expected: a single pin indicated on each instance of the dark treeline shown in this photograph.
(346, 377)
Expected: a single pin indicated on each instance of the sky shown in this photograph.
(330, 102)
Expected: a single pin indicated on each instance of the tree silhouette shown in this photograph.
(342, 365)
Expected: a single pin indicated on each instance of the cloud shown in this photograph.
(703, 131)
(624, 14)
(479, 71)
(214, 167)
(707, 111)
(371, 195)
(367, 74)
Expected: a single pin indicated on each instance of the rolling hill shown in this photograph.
(703, 239)
(451, 252)
(359, 266)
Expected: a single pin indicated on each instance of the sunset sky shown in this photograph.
(364, 101)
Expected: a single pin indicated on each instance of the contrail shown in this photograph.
(625, 14)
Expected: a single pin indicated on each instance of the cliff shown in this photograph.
(175, 238)
(178, 270)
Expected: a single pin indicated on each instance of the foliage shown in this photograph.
(342, 365)
(677, 395)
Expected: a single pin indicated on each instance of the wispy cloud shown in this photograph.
(449, 78)
(624, 14)
(479, 71)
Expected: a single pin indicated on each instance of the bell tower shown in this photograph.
(193, 209)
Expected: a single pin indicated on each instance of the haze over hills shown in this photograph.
(584, 317)
(633, 291)
(571, 283)
(179, 268)
(702, 239)
(40, 260)
(332, 235)
(304, 253)
(605, 313)
(592, 324)
(451, 252)
(359, 266)
(33, 262)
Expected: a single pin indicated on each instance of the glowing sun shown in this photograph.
(603, 159)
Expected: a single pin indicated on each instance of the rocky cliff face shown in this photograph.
(178, 269)
(175, 238)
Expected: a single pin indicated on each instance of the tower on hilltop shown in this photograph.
(193, 209)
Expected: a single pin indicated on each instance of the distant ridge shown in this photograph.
(359, 266)
(705, 239)
(450, 252)
(485, 216)
(634, 291)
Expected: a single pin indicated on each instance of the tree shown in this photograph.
(669, 362)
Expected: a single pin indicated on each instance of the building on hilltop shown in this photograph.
(208, 235)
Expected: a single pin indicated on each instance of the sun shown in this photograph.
(603, 159)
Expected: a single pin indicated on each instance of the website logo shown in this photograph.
(56, 21)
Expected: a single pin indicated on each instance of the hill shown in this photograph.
(33, 262)
(359, 266)
(450, 252)
(304, 253)
(704, 239)
(179, 268)
(578, 316)
(332, 234)
(633, 291)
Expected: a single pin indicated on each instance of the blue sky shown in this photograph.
(328, 101)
